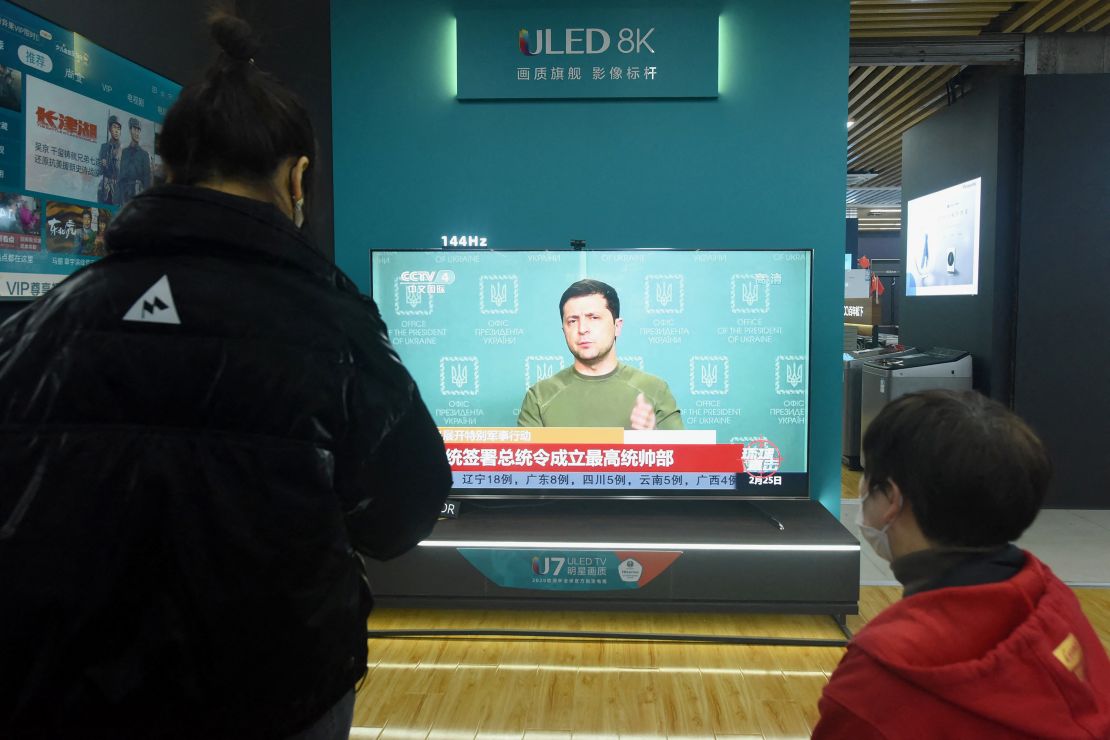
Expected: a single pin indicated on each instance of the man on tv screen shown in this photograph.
(134, 167)
(597, 390)
(86, 235)
(108, 190)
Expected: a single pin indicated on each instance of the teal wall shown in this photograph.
(762, 166)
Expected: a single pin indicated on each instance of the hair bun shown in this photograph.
(233, 34)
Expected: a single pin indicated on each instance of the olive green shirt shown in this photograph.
(570, 399)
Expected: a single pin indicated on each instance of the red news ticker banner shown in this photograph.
(523, 458)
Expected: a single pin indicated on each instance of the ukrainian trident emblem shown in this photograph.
(750, 293)
(499, 294)
(460, 375)
(709, 375)
(794, 374)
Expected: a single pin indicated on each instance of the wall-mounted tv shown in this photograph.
(79, 127)
(942, 241)
(726, 331)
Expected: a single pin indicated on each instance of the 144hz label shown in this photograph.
(464, 241)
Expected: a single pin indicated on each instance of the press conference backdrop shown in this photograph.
(727, 330)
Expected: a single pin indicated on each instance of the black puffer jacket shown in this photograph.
(182, 491)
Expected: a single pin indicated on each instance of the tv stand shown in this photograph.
(767, 515)
(728, 559)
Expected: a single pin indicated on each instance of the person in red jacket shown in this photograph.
(986, 642)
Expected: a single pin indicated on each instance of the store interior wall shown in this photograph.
(1061, 368)
(880, 245)
(978, 136)
(296, 41)
(418, 164)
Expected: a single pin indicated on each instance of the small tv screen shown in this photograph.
(942, 241)
(857, 284)
(79, 128)
(714, 343)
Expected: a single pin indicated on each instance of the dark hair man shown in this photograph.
(134, 166)
(987, 641)
(201, 433)
(597, 390)
(86, 235)
(109, 161)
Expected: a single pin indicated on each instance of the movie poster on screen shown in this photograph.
(82, 149)
(11, 89)
(20, 222)
(75, 229)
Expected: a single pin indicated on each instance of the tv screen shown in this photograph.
(721, 336)
(942, 241)
(78, 133)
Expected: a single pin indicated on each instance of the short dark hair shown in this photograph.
(238, 122)
(974, 473)
(592, 287)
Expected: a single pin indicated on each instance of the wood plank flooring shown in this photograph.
(561, 689)
(455, 688)
(849, 482)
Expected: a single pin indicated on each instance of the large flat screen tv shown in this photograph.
(728, 331)
(79, 131)
(942, 241)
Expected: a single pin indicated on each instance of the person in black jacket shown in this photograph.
(198, 435)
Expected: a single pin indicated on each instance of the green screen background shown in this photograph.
(727, 330)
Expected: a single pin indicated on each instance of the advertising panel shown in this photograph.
(942, 241)
(587, 52)
(78, 133)
(570, 570)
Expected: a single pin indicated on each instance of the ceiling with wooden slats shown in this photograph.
(885, 101)
(882, 103)
(923, 18)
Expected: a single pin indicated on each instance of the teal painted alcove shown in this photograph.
(760, 167)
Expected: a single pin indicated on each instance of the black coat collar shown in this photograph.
(171, 218)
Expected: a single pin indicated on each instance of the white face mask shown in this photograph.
(877, 538)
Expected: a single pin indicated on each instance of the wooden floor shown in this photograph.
(463, 688)
(849, 482)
